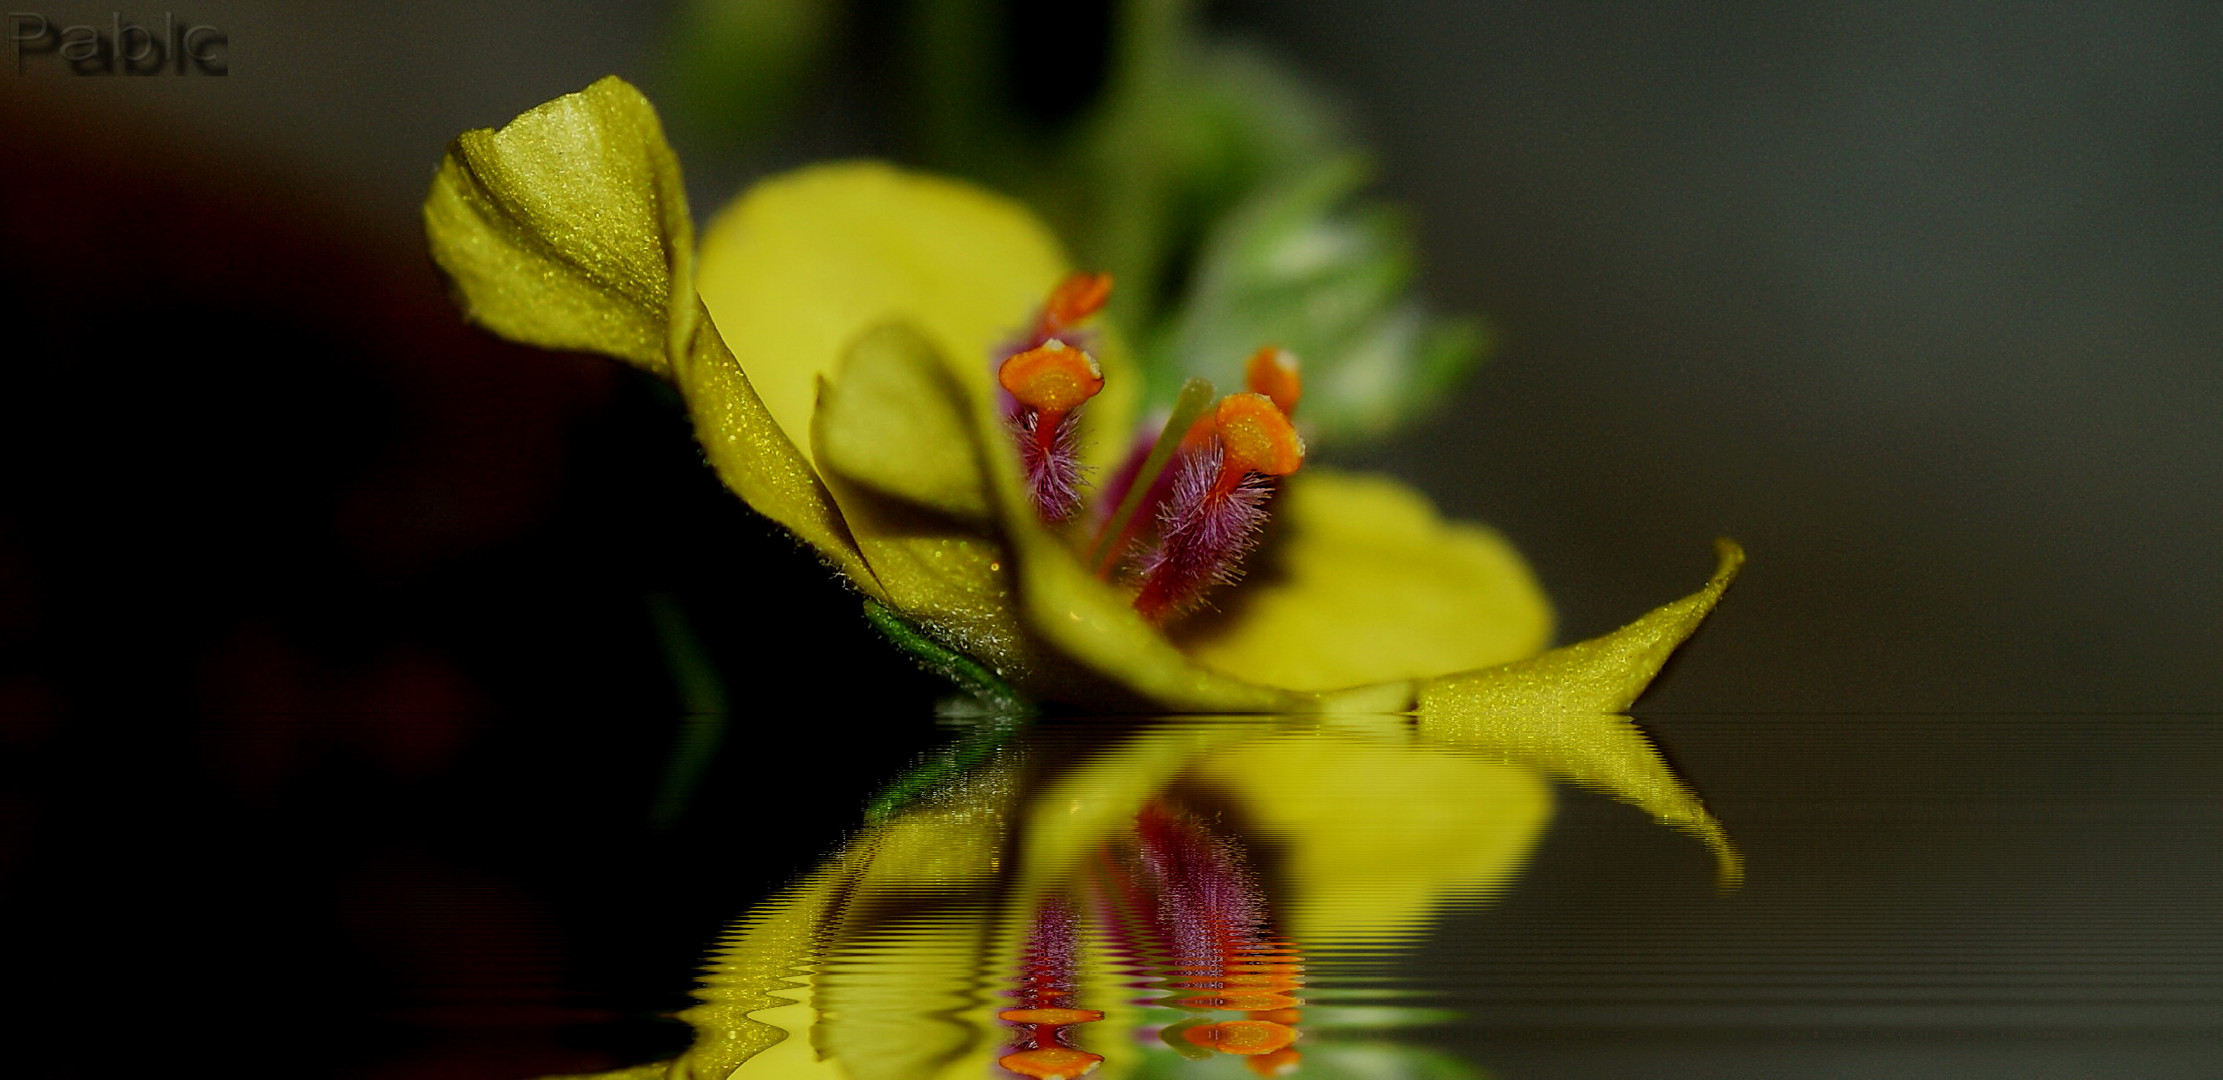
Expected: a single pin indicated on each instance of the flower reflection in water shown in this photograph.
(1154, 899)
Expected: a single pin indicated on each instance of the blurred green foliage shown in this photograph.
(739, 67)
(1222, 192)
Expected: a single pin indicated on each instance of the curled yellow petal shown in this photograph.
(568, 228)
(1361, 582)
(755, 459)
(1602, 675)
(891, 419)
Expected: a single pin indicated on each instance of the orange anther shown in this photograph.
(1051, 1062)
(1272, 371)
(1050, 1016)
(1281, 1062)
(1242, 1036)
(1077, 297)
(1257, 436)
(1053, 377)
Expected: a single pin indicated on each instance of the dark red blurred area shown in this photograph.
(331, 706)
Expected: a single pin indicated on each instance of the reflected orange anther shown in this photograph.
(1258, 975)
(1279, 1016)
(1077, 297)
(1050, 1016)
(1257, 436)
(1252, 1001)
(1242, 1036)
(1053, 377)
(1281, 1062)
(1272, 371)
(1051, 1062)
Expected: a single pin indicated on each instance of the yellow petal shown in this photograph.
(1361, 583)
(754, 458)
(1601, 675)
(803, 264)
(890, 419)
(568, 228)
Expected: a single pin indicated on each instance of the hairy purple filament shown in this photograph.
(1207, 899)
(1055, 474)
(1047, 977)
(1205, 527)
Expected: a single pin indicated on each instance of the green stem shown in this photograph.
(987, 737)
(995, 695)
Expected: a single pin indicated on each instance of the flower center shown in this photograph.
(1191, 501)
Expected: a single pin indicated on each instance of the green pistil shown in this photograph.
(1196, 396)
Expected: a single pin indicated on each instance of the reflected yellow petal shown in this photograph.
(1608, 754)
(1361, 582)
(568, 228)
(750, 989)
(1375, 835)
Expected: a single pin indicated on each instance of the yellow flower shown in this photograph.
(830, 336)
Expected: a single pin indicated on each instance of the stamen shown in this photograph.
(1258, 436)
(1144, 485)
(1217, 506)
(1048, 382)
(1077, 297)
(1204, 530)
(1272, 371)
(1053, 377)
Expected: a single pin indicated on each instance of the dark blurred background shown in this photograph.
(335, 684)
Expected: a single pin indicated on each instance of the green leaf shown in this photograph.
(1301, 267)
